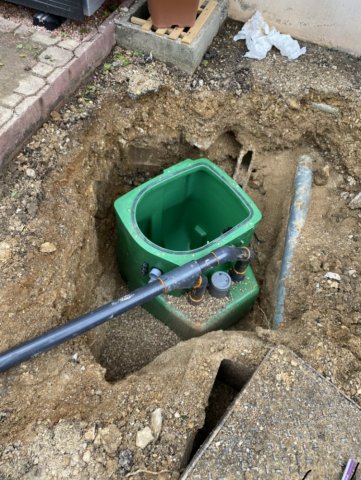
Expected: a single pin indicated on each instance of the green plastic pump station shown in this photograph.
(185, 213)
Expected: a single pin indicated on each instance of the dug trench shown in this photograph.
(75, 411)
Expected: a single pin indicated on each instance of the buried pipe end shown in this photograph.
(298, 212)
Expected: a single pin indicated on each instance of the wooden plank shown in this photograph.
(161, 31)
(201, 5)
(201, 20)
(147, 26)
(137, 21)
(175, 33)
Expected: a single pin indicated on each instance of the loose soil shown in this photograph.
(75, 411)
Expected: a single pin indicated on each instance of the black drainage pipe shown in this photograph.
(181, 277)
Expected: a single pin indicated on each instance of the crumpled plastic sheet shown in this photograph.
(260, 38)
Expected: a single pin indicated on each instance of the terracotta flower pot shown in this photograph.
(168, 13)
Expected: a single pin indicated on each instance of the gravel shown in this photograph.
(198, 313)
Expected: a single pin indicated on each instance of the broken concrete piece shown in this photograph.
(47, 247)
(144, 438)
(110, 438)
(355, 202)
(288, 420)
(140, 85)
(5, 251)
(156, 422)
(333, 276)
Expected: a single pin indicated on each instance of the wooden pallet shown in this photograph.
(186, 35)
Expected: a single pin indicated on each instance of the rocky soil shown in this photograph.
(81, 410)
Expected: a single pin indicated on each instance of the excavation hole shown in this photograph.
(246, 161)
(133, 340)
(112, 162)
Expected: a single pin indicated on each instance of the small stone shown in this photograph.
(156, 422)
(5, 251)
(87, 456)
(144, 438)
(30, 173)
(74, 460)
(325, 108)
(333, 276)
(293, 103)
(322, 175)
(125, 460)
(89, 435)
(47, 247)
(140, 84)
(355, 202)
(110, 438)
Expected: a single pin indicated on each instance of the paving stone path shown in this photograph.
(38, 70)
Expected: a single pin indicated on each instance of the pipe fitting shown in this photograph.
(238, 271)
(220, 284)
(195, 296)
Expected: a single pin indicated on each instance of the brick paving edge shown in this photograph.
(18, 129)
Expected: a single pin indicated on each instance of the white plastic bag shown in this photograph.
(260, 38)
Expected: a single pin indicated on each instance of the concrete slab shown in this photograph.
(7, 26)
(11, 100)
(69, 44)
(288, 423)
(42, 69)
(56, 56)
(23, 31)
(45, 38)
(185, 57)
(29, 85)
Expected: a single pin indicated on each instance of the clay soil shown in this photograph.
(75, 411)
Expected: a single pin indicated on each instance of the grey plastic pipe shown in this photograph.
(181, 277)
(298, 213)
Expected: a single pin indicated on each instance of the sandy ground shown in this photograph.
(59, 417)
